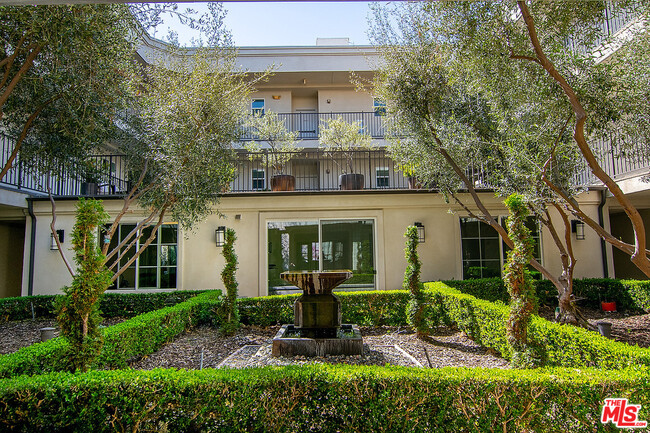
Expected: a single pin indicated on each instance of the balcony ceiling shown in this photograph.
(307, 80)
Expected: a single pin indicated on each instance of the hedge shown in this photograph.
(628, 294)
(136, 337)
(367, 308)
(112, 304)
(320, 399)
(561, 345)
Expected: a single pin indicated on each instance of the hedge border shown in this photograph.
(563, 345)
(320, 399)
(136, 337)
(112, 304)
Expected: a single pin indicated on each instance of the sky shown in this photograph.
(286, 23)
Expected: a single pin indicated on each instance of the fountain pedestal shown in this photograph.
(317, 328)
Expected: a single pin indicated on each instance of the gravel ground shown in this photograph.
(23, 333)
(382, 345)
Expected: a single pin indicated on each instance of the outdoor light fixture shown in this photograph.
(578, 227)
(53, 245)
(276, 97)
(420, 228)
(220, 236)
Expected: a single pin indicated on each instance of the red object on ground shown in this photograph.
(608, 306)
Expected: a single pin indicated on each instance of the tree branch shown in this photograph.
(23, 135)
(639, 256)
(29, 61)
(53, 229)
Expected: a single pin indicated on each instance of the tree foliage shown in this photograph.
(338, 137)
(63, 80)
(272, 130)
(78, 311)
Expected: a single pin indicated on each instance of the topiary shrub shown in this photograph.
(230, 319)
(519, 284)
(415, 308)
(78, 311)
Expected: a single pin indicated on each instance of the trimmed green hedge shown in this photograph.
(566, 346)
(136, 337)
(112, 304)
(367, 308)
(320, 399)
(628, 294)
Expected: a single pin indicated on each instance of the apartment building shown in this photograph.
(318, 223)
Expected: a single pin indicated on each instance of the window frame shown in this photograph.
(383, 178)
(258, 111)
(258, 179)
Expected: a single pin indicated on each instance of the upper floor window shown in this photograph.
(379, 107)
(382, 177)
(257, 107)
(259, 178)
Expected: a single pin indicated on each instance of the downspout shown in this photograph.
(603, 244)
(32, 248)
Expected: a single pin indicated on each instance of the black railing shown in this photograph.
(313, 171)
(309, 124)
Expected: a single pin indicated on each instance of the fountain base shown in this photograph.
(289, 342)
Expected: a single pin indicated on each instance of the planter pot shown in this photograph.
(351, 181)
(47, 333)
(89, 188)
(283, 182)
(605, 329)
(608, 306)
(414, 183)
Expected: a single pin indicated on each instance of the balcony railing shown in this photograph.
(313, 171)
(308, 124)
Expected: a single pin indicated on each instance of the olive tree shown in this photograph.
(500, 106)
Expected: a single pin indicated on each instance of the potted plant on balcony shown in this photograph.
(409, 172)
(91, 174)
(270, 129)
(342, 140)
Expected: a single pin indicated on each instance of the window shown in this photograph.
(322, 244)
(257, 107)
(379, 107)
(156, 267)
(483, 251)
(259, 179)
(382, 177)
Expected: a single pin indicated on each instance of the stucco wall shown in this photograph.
(341, 101)
(200, 261)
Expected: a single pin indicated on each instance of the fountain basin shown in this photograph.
(289, 341)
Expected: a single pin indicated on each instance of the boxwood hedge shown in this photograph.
(139, 336)
(320, 399)
(562, 345)
(112, 304)
(628, 294)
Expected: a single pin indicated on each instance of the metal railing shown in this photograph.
(309, 124)
(313, 171)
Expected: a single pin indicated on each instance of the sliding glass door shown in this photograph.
(322, 245)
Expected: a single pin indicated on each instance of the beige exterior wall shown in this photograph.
(200, 261)
(282, 105)
(342, 101)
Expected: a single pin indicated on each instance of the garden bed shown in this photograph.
(382, 346)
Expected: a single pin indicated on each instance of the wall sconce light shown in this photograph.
(220, 236)
(329, 101)
(578, 227)
(276, 97)
(420, 228)
(60, 235)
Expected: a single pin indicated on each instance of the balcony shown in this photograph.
(308, 124)
(313, 171)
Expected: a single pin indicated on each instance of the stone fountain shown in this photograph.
(317, 328)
